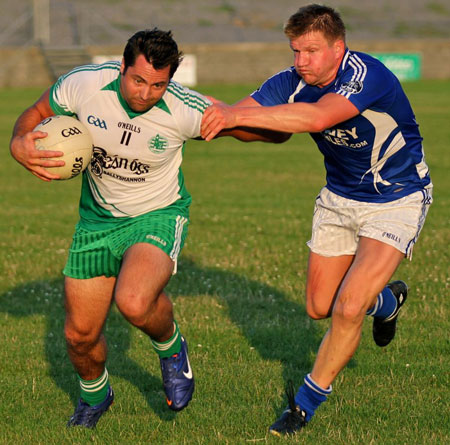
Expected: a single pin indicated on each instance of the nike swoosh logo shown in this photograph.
(188, 374)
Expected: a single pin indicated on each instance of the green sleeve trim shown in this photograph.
(58, 109)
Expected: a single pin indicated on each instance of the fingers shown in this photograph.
(216, 118)
(39, 166)
(45, 176)
(43, 158)
(210, 129)
(30, 141)
(24, 150)
(45, 162)
(32, 135)
(39, 169)
(43, 155)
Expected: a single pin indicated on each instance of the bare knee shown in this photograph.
(80, 340)
(315, 312)
(138, 309)
(135, 308)
(318, 308)
(349, 309)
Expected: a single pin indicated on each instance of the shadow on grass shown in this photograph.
(46, 298)
(275, 326)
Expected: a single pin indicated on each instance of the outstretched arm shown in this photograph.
(22, 144)
(250, 134)
(298, 117)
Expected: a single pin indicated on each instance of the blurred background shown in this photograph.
(225, 41)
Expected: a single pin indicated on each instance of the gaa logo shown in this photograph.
(97, 122)
(158, 144)
(67, 132)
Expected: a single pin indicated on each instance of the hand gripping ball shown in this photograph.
(70, 136)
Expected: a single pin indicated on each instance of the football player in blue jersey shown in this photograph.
(370, 212)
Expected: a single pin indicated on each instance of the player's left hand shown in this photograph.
(216, 118)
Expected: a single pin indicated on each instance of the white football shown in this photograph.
(70, 136)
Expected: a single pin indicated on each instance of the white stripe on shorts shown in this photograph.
(181, 221)
(427, 200)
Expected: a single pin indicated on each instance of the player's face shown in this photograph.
(142, 86)
(315, 59)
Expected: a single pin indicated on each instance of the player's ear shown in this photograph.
(339, 48)
(122, 67)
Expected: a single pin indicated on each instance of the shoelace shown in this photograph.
(290, 393)
(296, 416)
(171, 365)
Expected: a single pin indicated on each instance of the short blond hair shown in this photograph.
(316, 17)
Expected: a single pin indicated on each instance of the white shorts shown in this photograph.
(339, 222)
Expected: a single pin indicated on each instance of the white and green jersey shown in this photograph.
(136, 167)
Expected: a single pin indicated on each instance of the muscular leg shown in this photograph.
(373, 266)
(139, 295)
(87, 306)
(325, 275)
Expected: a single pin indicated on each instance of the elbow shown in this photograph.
(318, 125)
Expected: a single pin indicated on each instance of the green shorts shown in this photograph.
(96, 253)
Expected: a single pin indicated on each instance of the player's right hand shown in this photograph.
(24, 151)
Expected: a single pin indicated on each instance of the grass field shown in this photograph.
(239, 300)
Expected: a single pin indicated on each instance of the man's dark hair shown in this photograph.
(315, 17)
(158, 47)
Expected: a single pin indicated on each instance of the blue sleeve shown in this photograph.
(276, 90)
(373, 87)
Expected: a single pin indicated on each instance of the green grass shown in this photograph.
(239, 299)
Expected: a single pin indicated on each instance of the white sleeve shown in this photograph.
(189, 111)
(72, 89)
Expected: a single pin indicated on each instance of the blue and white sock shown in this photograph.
(310, 396)
(385, 306)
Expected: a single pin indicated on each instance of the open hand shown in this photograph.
(24, 151)
(216, 118)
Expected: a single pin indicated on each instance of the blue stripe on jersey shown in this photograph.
(376, 156)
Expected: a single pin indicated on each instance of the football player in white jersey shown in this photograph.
(134, 208)
(369, 215)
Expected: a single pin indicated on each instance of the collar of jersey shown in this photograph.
(340, 70)
(115, 86)
(343, 62)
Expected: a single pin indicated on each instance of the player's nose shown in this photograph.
(301, 59)
(145, 93)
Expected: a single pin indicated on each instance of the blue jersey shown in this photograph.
(376, 156)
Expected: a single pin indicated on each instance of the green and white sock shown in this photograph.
(170, 347)
(94, 392)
